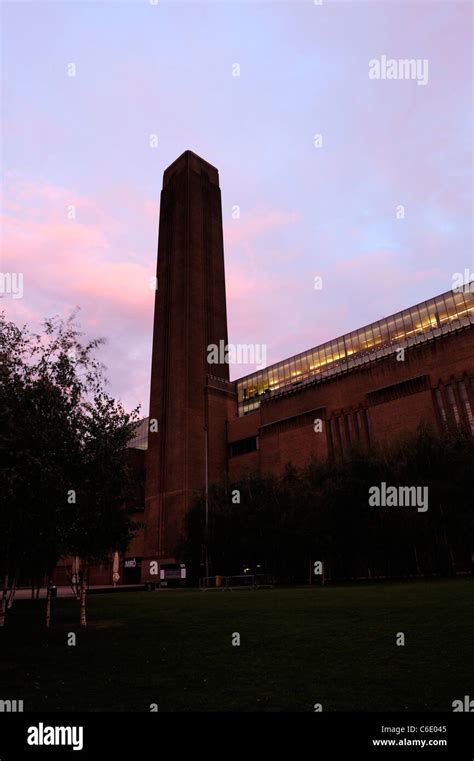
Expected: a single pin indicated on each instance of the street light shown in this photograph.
(206, 481)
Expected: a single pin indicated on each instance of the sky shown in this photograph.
(379, 206)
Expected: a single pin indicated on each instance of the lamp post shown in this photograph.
(206, 481)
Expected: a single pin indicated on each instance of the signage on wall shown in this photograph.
(173, 571)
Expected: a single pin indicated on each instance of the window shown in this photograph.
(440, 406)
(341, 352)
(367, 424)
(432, 306)
(417, 321)
(335, 435)
(350, 430)
(408, 326)
(466, 404)
(451, 309)
(376, 330)
(351, 344)
(322, 358)
(387, 330)
(399, 333)
(461, 306)
(442, 310)
(452, 403)
(421, 322)
(244, 446)
(296, 371)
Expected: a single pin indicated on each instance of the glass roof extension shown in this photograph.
(422, 322)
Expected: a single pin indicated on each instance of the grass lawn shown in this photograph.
(334, 646)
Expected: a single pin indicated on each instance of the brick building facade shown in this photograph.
(369, 386)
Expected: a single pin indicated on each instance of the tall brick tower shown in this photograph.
(188, 396)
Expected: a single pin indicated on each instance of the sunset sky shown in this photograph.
(305, 211)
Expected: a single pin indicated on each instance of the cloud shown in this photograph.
(70, 259)
(82, 262)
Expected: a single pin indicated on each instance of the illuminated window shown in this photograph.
(376, 329)
(387, 330)
(417, 320)
(424, 315)
(446, 312)
(408, 326)
(432, 306)
(462, 306)
(398, 328)
(352, 345)
(366, 338)
(442, 311)
(451, 309)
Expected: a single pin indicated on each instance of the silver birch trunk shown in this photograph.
(12, 591)
(4, 600)
(82, 616)
(48, 604)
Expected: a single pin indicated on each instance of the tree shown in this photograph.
(322, 513)
(56, 424)
(97, 519)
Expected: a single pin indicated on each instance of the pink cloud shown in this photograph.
(80, 265)
(83, 262)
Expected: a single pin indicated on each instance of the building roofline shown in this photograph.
(187, 153)
(464, 288)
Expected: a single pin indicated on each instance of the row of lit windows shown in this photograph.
(428, 319)
(454, 405)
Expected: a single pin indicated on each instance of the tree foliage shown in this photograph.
(322, 512)
(63, 440)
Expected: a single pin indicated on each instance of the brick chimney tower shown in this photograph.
(189, 397)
